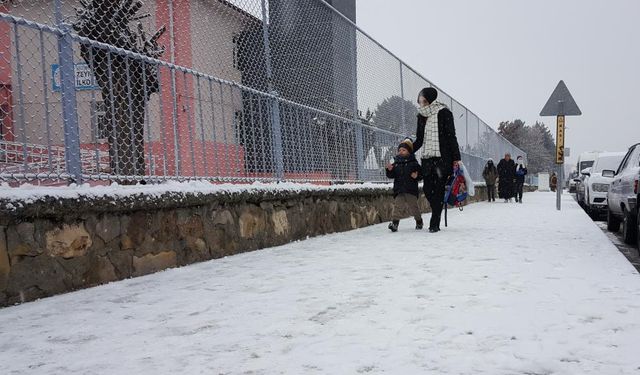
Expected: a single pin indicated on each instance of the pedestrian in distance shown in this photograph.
(553, 182)
(490, 175)
(437, 147)
(406, 173)
(506, 178)
(521, 172)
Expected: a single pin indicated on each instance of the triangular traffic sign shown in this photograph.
(561, 103)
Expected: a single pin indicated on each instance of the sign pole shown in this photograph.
(559, 159)
(560, 104)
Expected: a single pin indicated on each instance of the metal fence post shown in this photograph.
(360, 151)
(276, 128)
(69, 107)
(276, 125)
(402, 110)
(466, 129)
(177, 146)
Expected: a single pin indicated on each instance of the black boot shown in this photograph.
(394, 225)
(434, 224)
(419, 224)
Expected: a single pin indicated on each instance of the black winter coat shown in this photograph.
(449, 148)
(507, 175)
(403, 183)
(506, 171)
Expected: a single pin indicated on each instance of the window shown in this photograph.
(607, 162)
(4, 116)
(236, 51)
(626, 159)
(635, 158)
(585, 164)
(100, 132)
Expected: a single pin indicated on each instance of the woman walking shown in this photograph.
(506, 178)
(437, 147)
(521, 171)
(490, 175)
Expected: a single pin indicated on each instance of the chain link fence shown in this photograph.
(243, 90)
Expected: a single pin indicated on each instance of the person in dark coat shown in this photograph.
(521, 171)
(506, 178)
(490, 175)
(405, 172)
(437, 147)
(553, 182)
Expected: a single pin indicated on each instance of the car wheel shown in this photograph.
(613, 223)
(629, 228)
(593, 214)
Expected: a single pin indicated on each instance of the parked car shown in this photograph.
(623, 196)
(581, 182)
(572, 182)
(596, 185)
(585, 160)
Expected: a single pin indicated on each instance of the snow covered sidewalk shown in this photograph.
(506, 289)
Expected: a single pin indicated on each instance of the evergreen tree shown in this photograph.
(535, 140)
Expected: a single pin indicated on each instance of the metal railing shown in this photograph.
(249, 90)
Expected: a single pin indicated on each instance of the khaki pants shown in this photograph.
(405, 205)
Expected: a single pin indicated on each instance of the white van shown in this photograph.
(585, 160)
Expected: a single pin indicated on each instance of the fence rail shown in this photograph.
(245, 90)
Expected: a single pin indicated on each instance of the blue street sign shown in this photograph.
(83, 78)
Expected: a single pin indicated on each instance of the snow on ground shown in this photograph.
(506, 289)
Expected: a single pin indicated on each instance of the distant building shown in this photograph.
(314, 63)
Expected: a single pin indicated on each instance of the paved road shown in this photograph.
(629, 251)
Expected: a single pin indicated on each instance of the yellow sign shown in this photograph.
(560, 141)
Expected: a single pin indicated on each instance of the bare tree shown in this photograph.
(126, 82)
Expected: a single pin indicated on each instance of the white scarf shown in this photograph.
(431, 145)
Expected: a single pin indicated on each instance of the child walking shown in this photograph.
(405, 172)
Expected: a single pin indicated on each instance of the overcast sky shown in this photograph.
(503, 58)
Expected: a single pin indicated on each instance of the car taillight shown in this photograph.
(635, 186)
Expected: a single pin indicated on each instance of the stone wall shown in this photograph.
(54, 245)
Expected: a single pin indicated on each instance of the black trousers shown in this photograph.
(491, 193)
(519, 191)
(435, 174)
